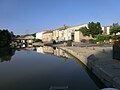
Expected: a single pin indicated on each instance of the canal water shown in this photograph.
(42, 68)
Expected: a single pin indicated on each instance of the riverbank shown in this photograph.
(99, 60)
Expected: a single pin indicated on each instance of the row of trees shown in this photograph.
(95, 30)
(5, 37)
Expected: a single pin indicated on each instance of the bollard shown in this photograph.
(103, 50)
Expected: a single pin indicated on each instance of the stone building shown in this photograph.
(69, 33)
(106, 29)
(39, 35)
(47, 36)
(79, 37)
(56, 34)
(25, 39)
(62, 32)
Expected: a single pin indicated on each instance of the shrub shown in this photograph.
(69, 43)
(115, 37)
(102, 38)
(117, 43)
(92, 41)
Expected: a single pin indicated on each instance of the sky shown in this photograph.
(31, 16)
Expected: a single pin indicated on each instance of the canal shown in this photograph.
(42, 68)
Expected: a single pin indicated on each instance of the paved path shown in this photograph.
(106, 68)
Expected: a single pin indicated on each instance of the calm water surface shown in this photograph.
(42, 68)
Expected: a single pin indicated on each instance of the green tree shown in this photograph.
(85, 31)
(6, 53)
(34, 35)
(115, 25)
(94, 28)
(115, 30)
(5, 37)
(102, 38)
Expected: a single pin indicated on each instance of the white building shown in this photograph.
(79, 36)
(39, 35)
(69, 32)
(60, 33)
(40, 50)
(106, 29)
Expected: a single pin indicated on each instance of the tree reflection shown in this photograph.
(6, 53)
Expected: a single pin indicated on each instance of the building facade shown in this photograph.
(106, 29)
(79, 37)
(47, 36)
(56, 35)
(25, 39)
(69, 33)
(39, 35)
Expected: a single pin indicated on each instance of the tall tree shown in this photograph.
(85, 31)
(5, 37)
(115, 25)
(94, 28)
(115, 28)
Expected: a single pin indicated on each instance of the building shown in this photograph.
(48, 50)
(56, 34)
(25, 39)
(40, 50)
(39, 35)
(61, 53)
(47, 36)
(78, 37)
(69, 33)
(106, 29)
(61, 32)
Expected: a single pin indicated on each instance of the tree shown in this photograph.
(102, 38)
(5, 37)
(85, 31)
(94, 28)
(6, 53)
(12, 35)
(115, 25)
(34, 35)
(115, 28)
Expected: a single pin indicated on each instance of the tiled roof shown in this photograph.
(25, 37)
(79, 25)
(50, 31)
(63, 28)
(43, 31)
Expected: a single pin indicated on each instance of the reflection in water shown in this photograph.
(40, 50)
(53, 50)
(34, 71)
(6, 53)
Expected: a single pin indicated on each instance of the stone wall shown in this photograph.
(105, 71)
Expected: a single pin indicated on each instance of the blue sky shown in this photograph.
(31, 16)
